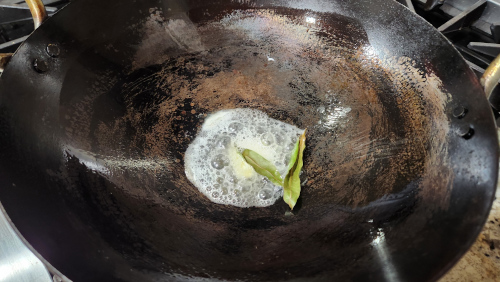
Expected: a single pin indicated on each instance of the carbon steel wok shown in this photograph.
(401, 162)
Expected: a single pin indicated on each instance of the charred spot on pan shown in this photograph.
(261, 223)
(305, 91)
(209, 13)
(280, 114)
(314, 54)
(189, 121)
(230, 245)
(107, 109)
(139, 90)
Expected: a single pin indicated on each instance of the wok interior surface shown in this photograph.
(381, 189)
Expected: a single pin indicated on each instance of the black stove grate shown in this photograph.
(478, 47)
(16, 23)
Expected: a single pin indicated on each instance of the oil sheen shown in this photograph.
(214, 165)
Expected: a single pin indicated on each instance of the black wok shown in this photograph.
(400, 167)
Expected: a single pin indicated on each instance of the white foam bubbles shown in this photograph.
(213, 162)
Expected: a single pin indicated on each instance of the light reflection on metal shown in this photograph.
(107, 164)
(17, 262)
(86, 159)
(310, 20)
(334, 115)
(369, 52)
(384, 259)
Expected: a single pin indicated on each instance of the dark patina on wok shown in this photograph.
(397, 187)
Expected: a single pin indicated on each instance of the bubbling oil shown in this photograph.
(214, 165)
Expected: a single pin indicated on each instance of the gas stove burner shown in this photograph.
(472, 26)
(16, 22)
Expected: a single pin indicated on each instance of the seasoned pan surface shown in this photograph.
(95, 145)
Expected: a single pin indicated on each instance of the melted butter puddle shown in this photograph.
(214, 165)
